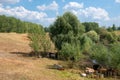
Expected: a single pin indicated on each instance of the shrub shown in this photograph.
(70, 52)
(99, 53)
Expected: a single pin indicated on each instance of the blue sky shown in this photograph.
(105, 12)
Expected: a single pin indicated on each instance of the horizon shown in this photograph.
(106, 13)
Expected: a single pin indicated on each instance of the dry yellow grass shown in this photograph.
(117, 32)
(12, 42)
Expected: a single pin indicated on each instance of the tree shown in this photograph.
(107, 56)
(86, 44)
(40, 41)
(35, 36)
(11, 24)
(100, 53)
(65, 33)
(90, 26)
(70, 52)
(114, 59)
(66, 28)
(114, 27)
(93, 36)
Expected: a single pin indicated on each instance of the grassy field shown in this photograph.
(15, 65)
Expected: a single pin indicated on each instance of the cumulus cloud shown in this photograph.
(113, 20)
(21, 12)
(73, 5)
(117, 1)
(26, 15)
(9, 1)
(95, 13)
(92, 13)
(52, 6)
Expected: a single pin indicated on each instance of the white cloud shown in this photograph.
(92, 13)
(48, 20)
(52, 6)
(96, 13)
(1, 5)
(113, 20)
(26, 15)
(117, 1)
(9, 1)
(73, 5)
(23, 13)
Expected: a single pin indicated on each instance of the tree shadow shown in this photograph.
(23, 54)
(37, 55)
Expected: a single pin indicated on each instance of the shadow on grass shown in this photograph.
(23, 54)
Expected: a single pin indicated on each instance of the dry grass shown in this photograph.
(117, 32)
(12, 42)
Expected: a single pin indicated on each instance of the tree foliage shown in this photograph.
(39, 41)
(93, 36)
(86, 43)
(36, 36)
(114, 61)
(107, 56)
(66, 32)
(99, 52)
(66, 28)
(70, 52)
(90, 26)
(11, 24)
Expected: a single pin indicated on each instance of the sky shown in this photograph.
(45, 12)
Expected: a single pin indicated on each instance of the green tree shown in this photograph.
(90, 26)
(70, 52)
(66, 32)
(66, 28)
(93, 36)
(86, 44)
(114, 58)
(36, 36)
(39, 41)
(114, 27)
(100, 53)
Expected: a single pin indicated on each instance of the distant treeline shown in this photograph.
(11, 24)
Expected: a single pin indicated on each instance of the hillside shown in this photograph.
(12, 42)
(14, 65)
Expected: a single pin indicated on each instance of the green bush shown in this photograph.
(115, 55)
(99, 53)
(86, 44)
(70, 52)
(93, 36)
